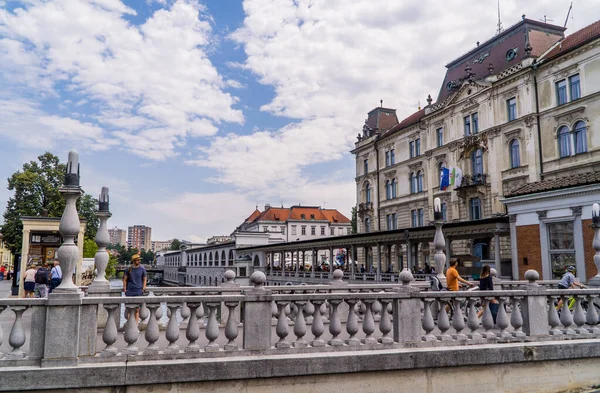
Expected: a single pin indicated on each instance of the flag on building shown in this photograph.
(458, 177)
(444, 179)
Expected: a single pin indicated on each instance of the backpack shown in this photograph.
(41, 276)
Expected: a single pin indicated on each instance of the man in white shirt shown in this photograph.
(56, 276)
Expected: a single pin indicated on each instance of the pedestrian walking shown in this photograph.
(29, 281)
(41, 281)
(55, 276)
(2, 272)
(134, 281)
(486, 283)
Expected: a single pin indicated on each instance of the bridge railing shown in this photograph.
(181, 323)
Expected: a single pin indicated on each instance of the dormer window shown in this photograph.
(312, 216)
(302, 216)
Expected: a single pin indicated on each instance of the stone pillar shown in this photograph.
(354, 262)
(497, 253)
(378, 275)
(388, 259)
(272, 260)
(595, 281)
(257, 315)
(79, 263)
(514, 255)
(24, 256)
(331, 267)
(534, 307)
(439, 244)
(314, 262)
(407, 312)
(297, 262)
(409, 255)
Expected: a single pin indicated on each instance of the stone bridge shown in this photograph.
(334, 337)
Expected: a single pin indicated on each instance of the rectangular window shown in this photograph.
(283, 230)
(366, 166)
(387, 158)
(440, 137)
(332, 231)
(511, 106)
(293, 229)
(411, 149)
(347, 231)
(265, 229)
(413, 218)
(392, 157)
(313, 231)
(322, 231)
(475, 122)
(574, 87)
(562, 247)
(417, 147)
(475, 208)
(467, 125)
(561, 92)
(444, 214)
(420, 213)
(303, 230)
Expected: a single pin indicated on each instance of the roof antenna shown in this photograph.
(568, 13)
(546, 20)
(499, 21)
(381, 102)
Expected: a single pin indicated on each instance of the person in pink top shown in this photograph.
(29, 282)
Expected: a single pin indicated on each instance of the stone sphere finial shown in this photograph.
(229, 276)
(493, 272)
(338, 274)
(406, 276)
(532, 276)
(258, 279)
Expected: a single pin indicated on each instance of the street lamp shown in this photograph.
(439, 243)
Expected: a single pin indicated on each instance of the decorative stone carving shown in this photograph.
(569, 116)
(472, 142)
(542, 213)
(390, 174)
(576, 210)
(529, 121)
(415, 166)
(440, 158)
(512, 218)
(428, 154)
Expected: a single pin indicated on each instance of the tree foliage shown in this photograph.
(147, 257)
(36, 193)
(89, 248)
(175, 244)
(353, 220)
(111, 267)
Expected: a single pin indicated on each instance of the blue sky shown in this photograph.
(193, 112)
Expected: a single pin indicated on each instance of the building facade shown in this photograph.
(118, 236)
(140, 237)
(160, 245)
(515, 109)
(6, 257)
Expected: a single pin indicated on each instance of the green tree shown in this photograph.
(353, 220)
(111, 267)
(89, 248)
(87, 206)
(36, 193)
(175, 244)
(147, 257)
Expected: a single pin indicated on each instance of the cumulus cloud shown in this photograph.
(151, 82)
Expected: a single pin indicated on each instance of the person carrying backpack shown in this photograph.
(41, 281)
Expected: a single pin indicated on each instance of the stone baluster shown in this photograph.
(200, 315)
(132, 332)
(2, 308)
(335, 324)
(172, 333)
(100, 283)
(579, 317)
(231, 328)
(407, 311)
(458, 321)
(473, 320)
(282, 329)
(192, 331)
(257, 314)
(212, 328)
(428, 324)
(376, 310)
(502, 319)
(443, 323)
(309, 311)
(300, 325)
(16, 339)
(152, 332)
(535, 307)
(352, 323)
(185, 314)
(566, 318)
(368, 326)
(487, 321)
(109, 336)
(317, 328)
(591, 317)
(439, 243)
(594, 282)
(516, 318)
(385, 323)
(553, 319)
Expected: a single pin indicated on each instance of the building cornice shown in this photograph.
(553, 194)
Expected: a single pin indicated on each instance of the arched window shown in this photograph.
(420, 181)
(216, 258)
(477, 162)
(223, 261)
(231, 257)
(367, 225)
(388, 190)
(413, 183)
(564, 142)
(579, 137)
(210, 259)
(393, 187)
(515, 156)
(367, 192)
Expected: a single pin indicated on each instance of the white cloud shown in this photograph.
(151, 82)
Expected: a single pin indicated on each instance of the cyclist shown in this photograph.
(452, 276)
(568, 281)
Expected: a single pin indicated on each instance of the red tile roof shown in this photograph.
(296, 213)
(557, 184)
(409, 121)
(253, 216)
(575, 40)
(333, 215)
(274, 214)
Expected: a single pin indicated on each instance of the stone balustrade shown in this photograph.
(233, 320)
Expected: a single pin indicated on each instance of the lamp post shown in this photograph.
(68, 252)
(102, 240)
(595, 281)
(439, 243)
